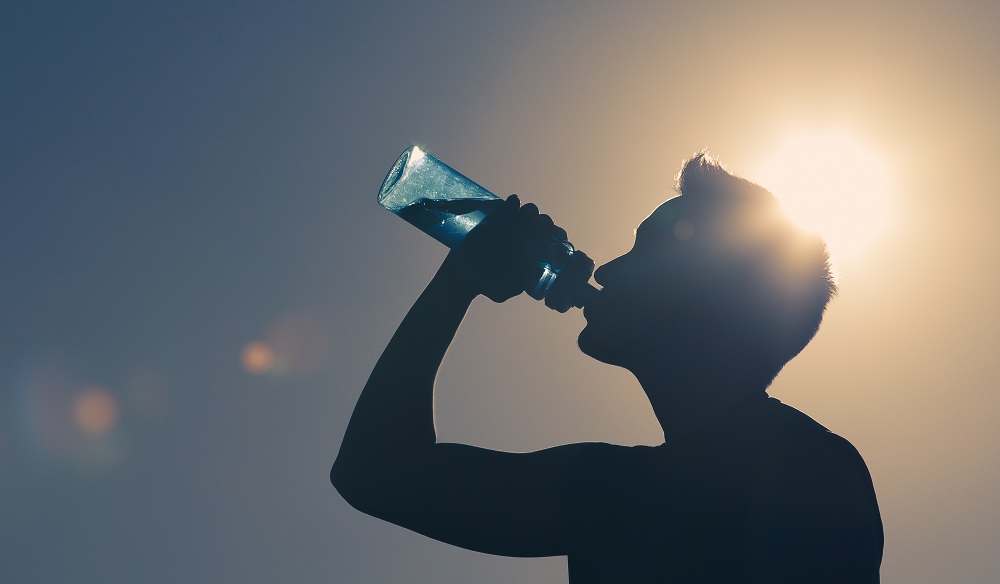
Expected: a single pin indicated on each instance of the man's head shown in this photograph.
(719, 277)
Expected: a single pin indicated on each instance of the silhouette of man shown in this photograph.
(719, 291)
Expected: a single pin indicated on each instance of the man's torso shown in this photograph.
(730, 503)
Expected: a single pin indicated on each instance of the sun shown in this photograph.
(830, 185)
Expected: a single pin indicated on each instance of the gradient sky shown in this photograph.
(180, 179)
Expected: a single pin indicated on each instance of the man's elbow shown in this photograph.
(346, 481)
(358, 487)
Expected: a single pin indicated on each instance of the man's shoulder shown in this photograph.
(814, 505)
(806, 465)
(787, 419)
(801, 436)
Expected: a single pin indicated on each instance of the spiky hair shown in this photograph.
(781, 272)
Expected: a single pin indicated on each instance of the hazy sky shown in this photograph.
(180, 179)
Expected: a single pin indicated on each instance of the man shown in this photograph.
(719, 291)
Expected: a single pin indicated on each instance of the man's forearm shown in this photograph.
(394, 417)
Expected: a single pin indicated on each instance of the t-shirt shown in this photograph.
(762, 493)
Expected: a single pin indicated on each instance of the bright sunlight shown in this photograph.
(830, 185)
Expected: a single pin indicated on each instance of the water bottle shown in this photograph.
(441, 202)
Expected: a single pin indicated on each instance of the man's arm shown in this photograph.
(393, 421)
(390, 464)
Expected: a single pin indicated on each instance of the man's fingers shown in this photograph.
(513, 203)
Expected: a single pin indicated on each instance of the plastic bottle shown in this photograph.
(438, 200)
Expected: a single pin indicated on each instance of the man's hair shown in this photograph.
(777, 278)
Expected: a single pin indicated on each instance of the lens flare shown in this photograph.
(257, 358)
(95, 410)
(295, 345)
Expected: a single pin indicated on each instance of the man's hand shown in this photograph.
(499, 258)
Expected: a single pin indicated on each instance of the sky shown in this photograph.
(196, 279)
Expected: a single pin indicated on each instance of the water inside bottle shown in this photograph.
(448, 220)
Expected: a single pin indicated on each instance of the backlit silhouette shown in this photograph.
(719, 291)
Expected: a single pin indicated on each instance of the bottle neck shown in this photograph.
(568, 287)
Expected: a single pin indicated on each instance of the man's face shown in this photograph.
(648, 293)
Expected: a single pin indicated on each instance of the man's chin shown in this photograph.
(593, 345)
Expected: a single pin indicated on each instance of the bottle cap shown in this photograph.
(571, 287)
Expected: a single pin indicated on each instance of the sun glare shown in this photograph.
(831, 186)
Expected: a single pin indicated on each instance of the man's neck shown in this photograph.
(688, 401)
